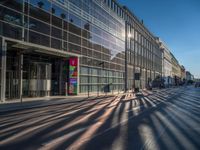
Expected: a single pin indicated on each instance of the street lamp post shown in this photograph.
(126, 40)
(127, 35)
(132, 62)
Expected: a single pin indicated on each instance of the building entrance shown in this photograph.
(39, 74)
(39, 83)
(12, 76)
(12, 84)
(36, 77)
(31, 73)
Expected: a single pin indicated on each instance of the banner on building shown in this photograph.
(73, 75)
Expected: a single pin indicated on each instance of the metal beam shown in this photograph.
(39, 48)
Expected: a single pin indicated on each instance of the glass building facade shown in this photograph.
(39, 37)
(85, 29)
(144, 56)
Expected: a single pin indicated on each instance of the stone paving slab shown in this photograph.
(28, 103)
(43, 102)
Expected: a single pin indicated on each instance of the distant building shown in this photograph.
(189, 76)
(142, 52)
(192, 77)
(183, 74)
(167, 64)
(197, 79)
(176, 73)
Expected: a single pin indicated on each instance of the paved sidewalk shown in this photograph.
(28, 103)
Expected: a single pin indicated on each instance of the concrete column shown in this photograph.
(60, 76)
(3, 69)
(21, 76)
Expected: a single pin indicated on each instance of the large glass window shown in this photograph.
(65, 46)
(39, 26)
(97, 47)
(14, 4)
(42, 4)
(59, 14)
(94, 79)
(96, 54)
(96, 30)
(65, 36)
(74, 39)
(84, 42)
(55, 32)
(85, 7)
(84, 51)
(56, 21)
(85, 25)
(74, 29)
(74, 20)
(10, 31)
(74, 48)
(76, 2)
(39, 14)
(57, 44)
(96, 39)
(66, 25)
(84, 70)
(84, 79)
(38, 38)
(89, 52)
(85, 34)
(10, 16)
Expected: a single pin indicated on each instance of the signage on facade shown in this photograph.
(73, 75)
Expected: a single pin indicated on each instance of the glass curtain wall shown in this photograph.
(97, 34)
(144, 55)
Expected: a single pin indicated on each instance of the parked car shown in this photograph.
(197, 84)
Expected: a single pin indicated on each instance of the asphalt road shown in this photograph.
(166, 119)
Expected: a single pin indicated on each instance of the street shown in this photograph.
(164, 119)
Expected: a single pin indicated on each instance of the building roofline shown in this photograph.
(137, 20)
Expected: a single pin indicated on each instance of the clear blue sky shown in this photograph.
(177, 22)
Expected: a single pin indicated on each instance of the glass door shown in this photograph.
(40, 79)
(12, 76)
(12, 85)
